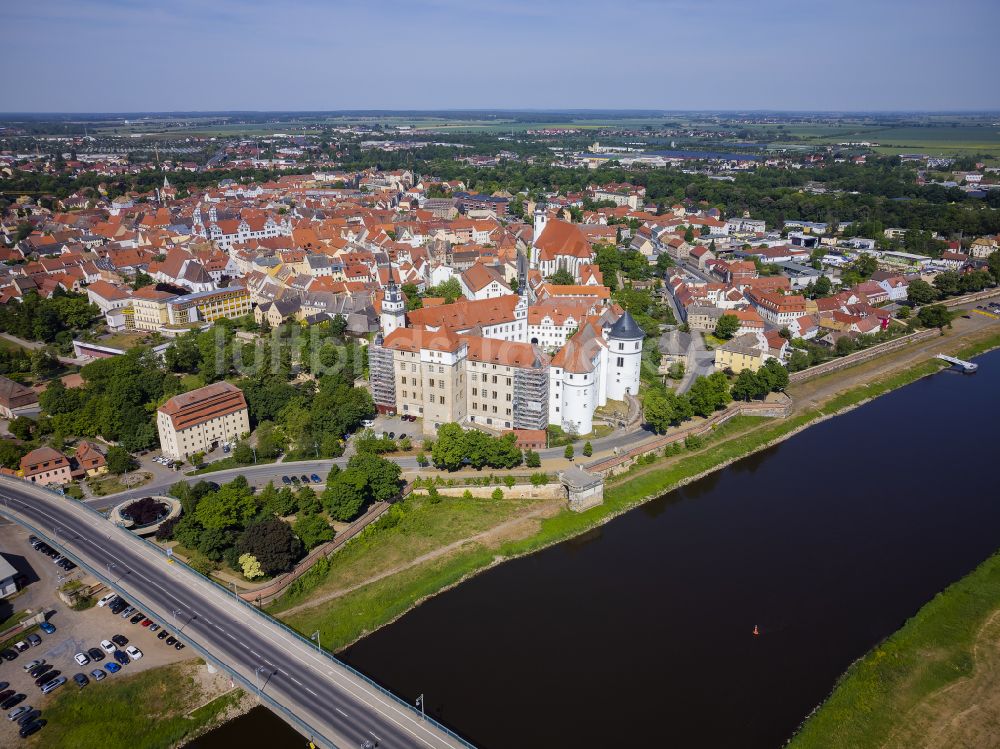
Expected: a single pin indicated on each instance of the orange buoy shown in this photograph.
(756, 631)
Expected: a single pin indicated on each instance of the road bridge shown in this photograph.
(321, 697)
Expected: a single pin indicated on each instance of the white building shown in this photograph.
(201, 420)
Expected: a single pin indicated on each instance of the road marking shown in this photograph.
(311, 692)
(342, 712)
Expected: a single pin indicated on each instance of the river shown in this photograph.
(641, 631)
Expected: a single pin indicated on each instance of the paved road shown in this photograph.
(337, 707)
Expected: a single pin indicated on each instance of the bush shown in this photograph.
(144, 511)
(532, 459)
(539, 479)
(166, 530)
(508, 481)
(568, 452)
(588, 449)
(497, 494)
(693, 442)
(466, 494)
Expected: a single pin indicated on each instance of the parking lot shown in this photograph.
(396, 425)
(75, 632)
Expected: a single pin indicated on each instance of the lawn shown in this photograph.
(932, 650)
(113, 484)
(148, 710)
(422, 526)
(124, 340)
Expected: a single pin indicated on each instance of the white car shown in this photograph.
(368, 423)
(133, 652)
(108, 647)
(36, 662)
(106, 600)
(81, 659)
(17, 712)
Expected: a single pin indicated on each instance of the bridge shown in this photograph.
(966, 366)
(321, 697)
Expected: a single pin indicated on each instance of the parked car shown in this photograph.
(81, 680)
(20, 646)
(47, 628)
(82, 659)
(29, 716)
(17, 699)
(5, 694)
(8, 654)
(153, 627)
(17, 712)
(118, 606)
(146, 622)
(137, 618)
(179, 645)
(304, 479)
(31, 728)
(120, 640)
(4, 685)
(37, 671)
(164, 634)
(36, 662)
(107, 646)
(34, 640)
(368, 423)
(112, 668)
(133, 652)
(286, 480)
(95, 654)
(316, 479)
(295, 479)
(122, 658)
(129, 610)
(171, 640)
(53, 685)
(48, 676)
(105, 600)
(98, 674)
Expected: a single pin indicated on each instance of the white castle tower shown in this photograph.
(393, 307)
(624, 357)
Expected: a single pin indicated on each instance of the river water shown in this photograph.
(641, 631)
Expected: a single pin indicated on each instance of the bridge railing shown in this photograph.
(299, 636)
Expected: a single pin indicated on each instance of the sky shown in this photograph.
(215, 55)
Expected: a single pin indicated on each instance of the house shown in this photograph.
(742, 352)
(89, 459)
(202, 419)
(483, 282)
(15, 397)
(45, 466)
(8, 575)
(276, 312)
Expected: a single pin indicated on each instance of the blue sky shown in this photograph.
(134, 55)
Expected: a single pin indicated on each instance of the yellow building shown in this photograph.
(209, 306)
(149, 306)
(743, 352)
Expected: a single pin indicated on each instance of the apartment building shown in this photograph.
(777, 309)
(149, 308)
(200, 420)
(230, 302)
(46, 466)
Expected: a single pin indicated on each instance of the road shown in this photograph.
(315, 693)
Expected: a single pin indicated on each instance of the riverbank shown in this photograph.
(347, 618)
(934, 683)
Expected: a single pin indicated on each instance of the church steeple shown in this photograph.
(393, 306)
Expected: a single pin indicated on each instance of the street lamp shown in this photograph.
(110, 566)
(256, 676)
(420, 703)
(235, 594)
(315, 638)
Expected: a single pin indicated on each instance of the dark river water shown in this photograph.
(641, 632)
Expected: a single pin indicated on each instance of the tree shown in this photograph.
(11, 453)
(903, 313)
(775, 375)
(197, 457)
(345, 495)
(748, 386)
(568, 452)
(948, 283)
(588, 449)
(382, 476)
(448, 452)
(497, 494)
(532, 459)
(273, 543)
(450, 290)
(250, 566)
(561, 277)
(22, 427)
(727, 326)
(822, 287)
(707, 394)
(232, 506)
(664, 408)
(307, 503)
(920, 292)
(935, 316)
(243, 453)
(120, 461)
(312, 530)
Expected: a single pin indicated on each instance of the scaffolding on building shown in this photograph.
(531, 398)
(382, 376)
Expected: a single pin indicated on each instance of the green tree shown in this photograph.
(312, 530)
(450, 290)
(497, 494)
(346, 495)
(775, 375)
(231, 506)
(920, 292)
(947, 283)
(532, 459)
(120, 461)
(382, 476)
(307, 503)
(726, 326)
(568, 452)
(448, 452)
(935, 316)
(748, 386)
(588, 449)
(22, 427)
(243, 453)
(561, 277)
(11, 453)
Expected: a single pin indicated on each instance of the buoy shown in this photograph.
(756, 631)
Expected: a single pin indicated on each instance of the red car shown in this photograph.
(146, 622)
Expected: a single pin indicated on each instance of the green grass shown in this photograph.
(113, 485)
(9, 642)
(11, 620)
(416, 526)
(142, 711)
(224, 465)
(932, 650)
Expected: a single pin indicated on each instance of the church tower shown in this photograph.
(624, 357)
(541, 217)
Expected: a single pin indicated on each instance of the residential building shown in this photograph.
(149, 306)
(15, 398)
(90, 459)
(45, 466)
(742, 352)
(201, 420)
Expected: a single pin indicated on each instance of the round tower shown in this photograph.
(393, 309)
(624, 357)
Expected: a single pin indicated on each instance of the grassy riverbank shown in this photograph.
(148, 710)
(899, 688)
(346, 618)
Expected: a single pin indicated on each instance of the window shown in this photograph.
(621, 346)
(621, 361)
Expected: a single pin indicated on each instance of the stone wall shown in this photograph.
(518, 491)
